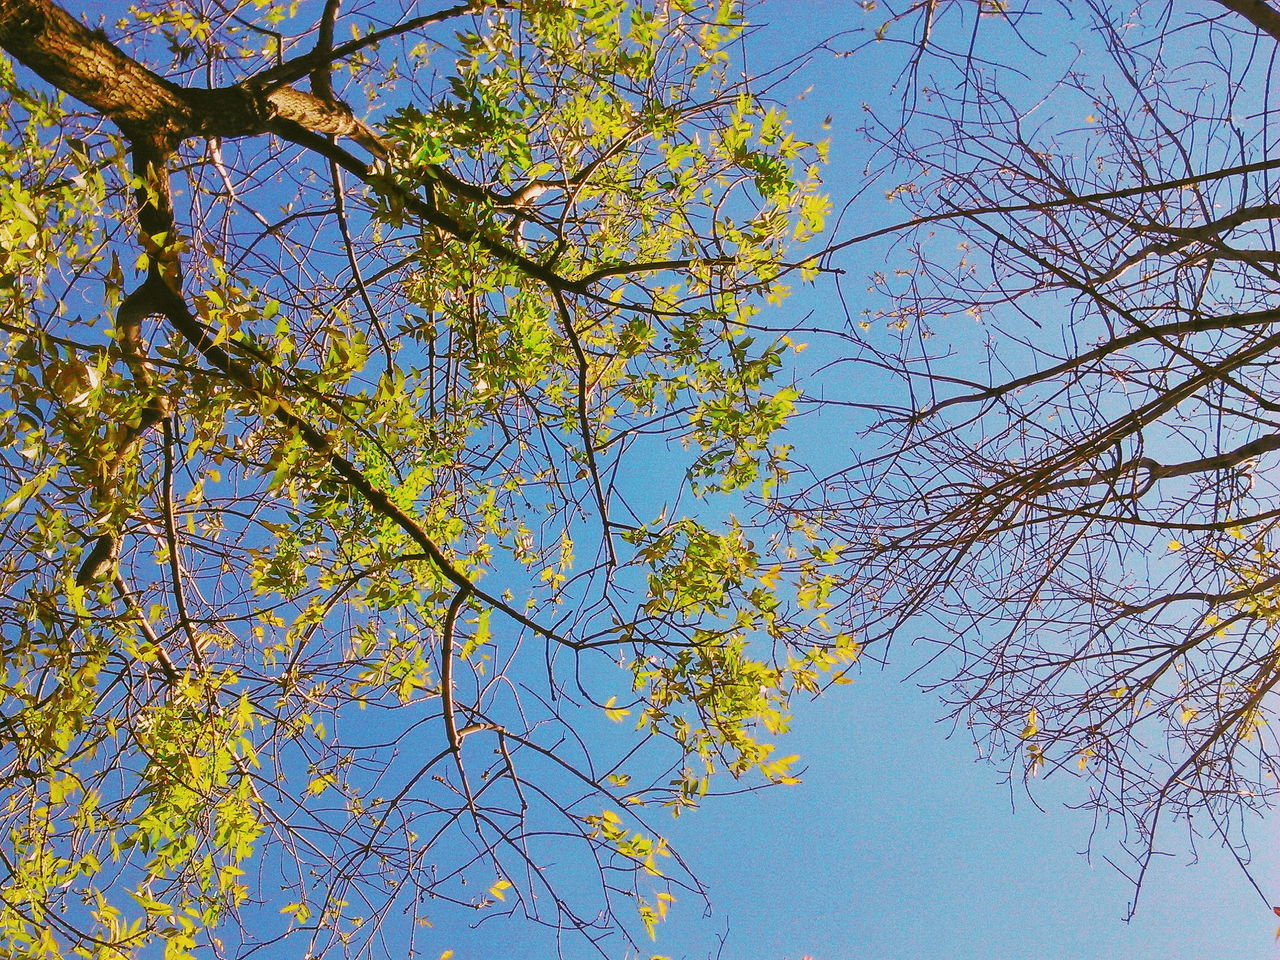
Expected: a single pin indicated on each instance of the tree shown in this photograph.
(329, 546)
(1073, 494)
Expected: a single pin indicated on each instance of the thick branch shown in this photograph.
(321, 81)
(1230, 458)
(88, 66)
(1262, 15)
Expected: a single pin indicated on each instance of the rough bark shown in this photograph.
(87, 65)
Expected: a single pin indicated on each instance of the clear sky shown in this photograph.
(899, 846)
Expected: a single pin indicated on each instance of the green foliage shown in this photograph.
(413, 495)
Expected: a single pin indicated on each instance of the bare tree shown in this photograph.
(1075, 493)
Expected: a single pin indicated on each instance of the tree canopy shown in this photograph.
(341, 515)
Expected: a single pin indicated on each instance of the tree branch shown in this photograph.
(322, 55)
(1262, 15)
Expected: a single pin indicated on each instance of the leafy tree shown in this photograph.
(376, 414)
(1075, 493)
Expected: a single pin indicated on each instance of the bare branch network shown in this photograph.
(1075, 496)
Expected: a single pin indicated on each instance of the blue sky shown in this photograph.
(900, 844)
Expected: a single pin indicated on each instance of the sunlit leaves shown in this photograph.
(405, 485)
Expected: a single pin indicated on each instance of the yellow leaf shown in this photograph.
(499, 890)
(769, 579)
(1175, 544)
(154, 908)
(299, 911)
(615, 713)
(1032, 727)
(26, 491)
(321, 783)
